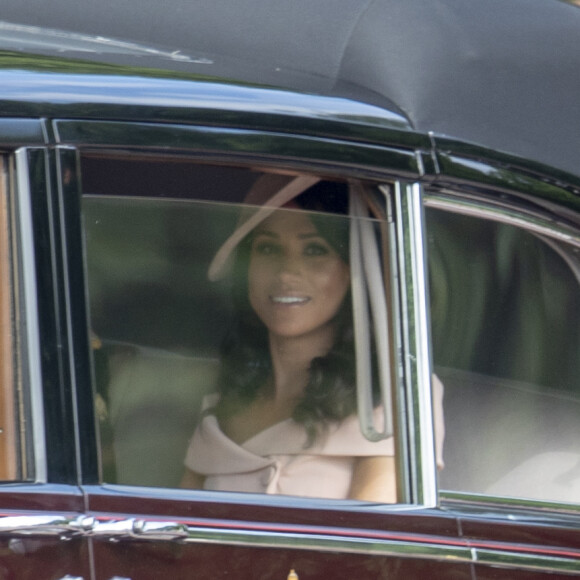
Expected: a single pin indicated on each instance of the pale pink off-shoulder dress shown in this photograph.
(277, 460)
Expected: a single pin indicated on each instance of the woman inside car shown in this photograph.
(284, 420)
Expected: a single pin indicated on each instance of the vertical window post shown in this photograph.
(419, 468)
(29, 344)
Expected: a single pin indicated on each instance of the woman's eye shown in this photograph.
(316, 250)
(266, 249)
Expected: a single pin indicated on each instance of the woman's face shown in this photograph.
(296, 280)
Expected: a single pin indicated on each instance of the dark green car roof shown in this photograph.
(500, 74)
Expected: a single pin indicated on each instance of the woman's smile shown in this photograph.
(289, 300)
(297, 282)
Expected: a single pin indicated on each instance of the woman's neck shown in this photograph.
(291, 360)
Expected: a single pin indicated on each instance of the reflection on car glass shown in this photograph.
(505, 310)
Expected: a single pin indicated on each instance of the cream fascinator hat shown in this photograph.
(269, 193)
(370, 278)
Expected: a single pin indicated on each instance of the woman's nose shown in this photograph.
(289, 266)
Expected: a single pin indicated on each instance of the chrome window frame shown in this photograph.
(416, 462)
(503, 213)
(30, 340)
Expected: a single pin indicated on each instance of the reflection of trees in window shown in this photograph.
(505, 308)
(147, 268)
(151, 232)
(505, 304)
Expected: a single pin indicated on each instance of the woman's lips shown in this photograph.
(289, 300)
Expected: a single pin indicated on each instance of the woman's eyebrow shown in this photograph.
(271, 234)
(309, 235)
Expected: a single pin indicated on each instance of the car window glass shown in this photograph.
(506, 338)
(184, 336)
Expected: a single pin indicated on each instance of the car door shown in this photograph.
(503, 247)
(146, 208)
(42, 510)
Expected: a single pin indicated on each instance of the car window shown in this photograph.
(190, 315)
(506, 338)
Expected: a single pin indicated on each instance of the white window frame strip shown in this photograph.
(31, 334)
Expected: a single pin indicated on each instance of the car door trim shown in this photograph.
(311, 538)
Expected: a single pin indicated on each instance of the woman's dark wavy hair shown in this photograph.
(330, 394)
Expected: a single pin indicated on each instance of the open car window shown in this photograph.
(505, 310)
(183, 316)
